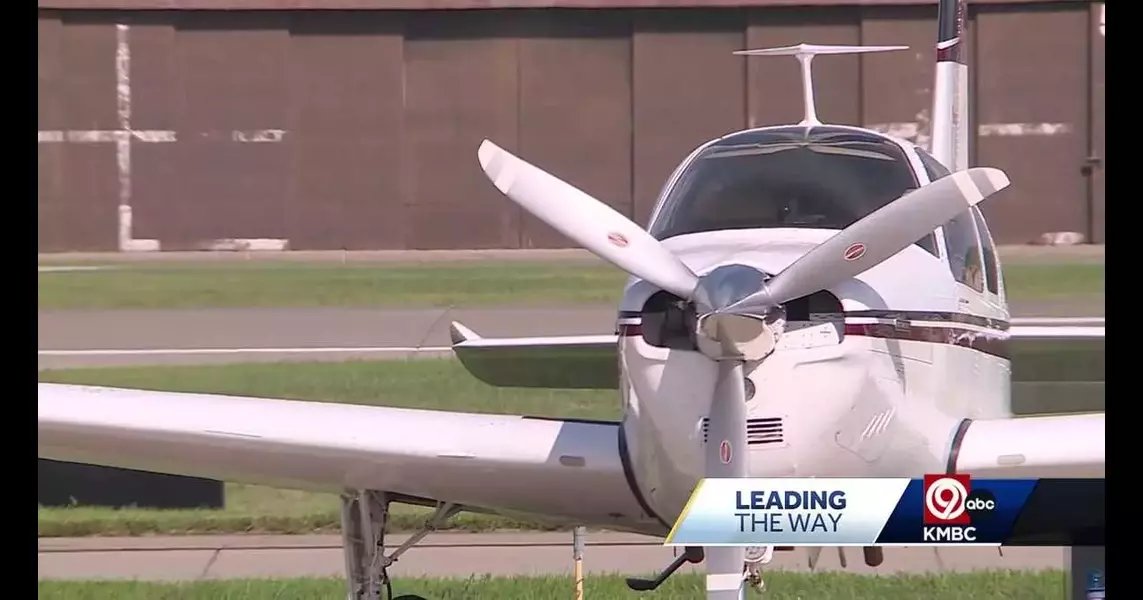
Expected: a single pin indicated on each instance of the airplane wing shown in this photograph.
(564, 470)
(1051, 446)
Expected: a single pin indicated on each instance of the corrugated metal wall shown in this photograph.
(359, 129)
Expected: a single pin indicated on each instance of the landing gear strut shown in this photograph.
(364, 521)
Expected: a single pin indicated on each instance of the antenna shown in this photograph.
(805, 54)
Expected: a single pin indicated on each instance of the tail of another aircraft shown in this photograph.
(950, 123)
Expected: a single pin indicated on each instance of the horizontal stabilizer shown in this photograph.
(814, 49)
(591, 361)
(459, 333)
(805, 54)
(558, 362)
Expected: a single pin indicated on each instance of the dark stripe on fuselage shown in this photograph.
(632, 482)
(931, 316)
(624, 460)
(957, 441)
(913, 326)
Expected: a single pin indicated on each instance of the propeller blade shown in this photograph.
(592, 224)
(877, 237)
(726, 456)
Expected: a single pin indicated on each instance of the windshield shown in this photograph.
(820, 178)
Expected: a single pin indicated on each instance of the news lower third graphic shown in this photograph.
(936, 510)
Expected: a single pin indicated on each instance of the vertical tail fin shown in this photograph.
(950, 121)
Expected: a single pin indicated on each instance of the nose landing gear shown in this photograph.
(756, 556)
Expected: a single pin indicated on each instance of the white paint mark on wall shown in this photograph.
(125, 135)
(246, 245)
(1023, 129)
(903, 130)
(917, 132)
(258, 136)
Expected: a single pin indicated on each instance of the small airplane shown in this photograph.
(807, 300)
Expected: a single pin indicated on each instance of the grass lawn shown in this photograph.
(1011, 585)
(292, 284)
(441, 384)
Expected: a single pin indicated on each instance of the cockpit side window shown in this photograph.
(797, 177)
(991, 262)
(968, 260)
(965, 256)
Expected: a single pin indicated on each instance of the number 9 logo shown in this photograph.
(945, 499)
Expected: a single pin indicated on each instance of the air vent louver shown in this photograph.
(765, 431)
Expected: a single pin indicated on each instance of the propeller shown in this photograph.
(740, 316)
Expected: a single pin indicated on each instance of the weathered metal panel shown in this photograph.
(1031, 115)
(157, 210)
(1096, 141)
(466, 4)
(378, 120)
(774, 83)
(347, 95)
(89, 190)
(461, 86)
(897, 87)
(234, 87)
(50, 208)
(688, 88)
(575, 107)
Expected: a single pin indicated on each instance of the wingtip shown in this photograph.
(459, 333)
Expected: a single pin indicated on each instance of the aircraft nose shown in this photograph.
(728, 284)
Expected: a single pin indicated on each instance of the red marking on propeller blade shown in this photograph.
(617, 239)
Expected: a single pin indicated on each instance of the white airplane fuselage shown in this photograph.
(878, 388)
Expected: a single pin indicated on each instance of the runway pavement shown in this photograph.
(457, 555)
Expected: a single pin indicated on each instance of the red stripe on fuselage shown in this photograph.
(630, 330)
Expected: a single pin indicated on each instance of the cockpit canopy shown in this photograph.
(787, 177)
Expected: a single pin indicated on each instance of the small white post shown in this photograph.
(577, 553)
